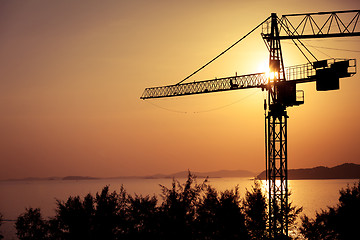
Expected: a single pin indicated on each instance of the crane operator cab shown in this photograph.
(288, 95)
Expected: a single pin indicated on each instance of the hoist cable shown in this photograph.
(224, 51)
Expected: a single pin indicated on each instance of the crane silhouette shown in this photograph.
(281, 86)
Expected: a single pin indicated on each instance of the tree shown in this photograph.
(293, 213)
(1, 220)
(74, 218)
(339, 222)
(220, 216)
(207, 222)
(143, 217)
(231, 219)
(178, 210)
(256, 215)
(101, 217)
(107, 215)
(31, 226)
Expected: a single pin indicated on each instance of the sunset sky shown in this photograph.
(72, 73)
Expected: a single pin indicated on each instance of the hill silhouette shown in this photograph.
(343, 171)
(214, 174)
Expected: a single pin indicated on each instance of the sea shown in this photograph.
(16, 196)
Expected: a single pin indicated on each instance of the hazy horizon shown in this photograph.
(256, 173)
(73, 73)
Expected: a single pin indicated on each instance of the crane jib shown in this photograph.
(297, 74)
(207, 86)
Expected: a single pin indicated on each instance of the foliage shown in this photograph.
(339, 222)
(178, 210)
(194, 211)
(256, 212)
(293, 213)
(255, 207)
(142, 218)
(30, 225)
(90, 218)
(230, 217)
(1, 220)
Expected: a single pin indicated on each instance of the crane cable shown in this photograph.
(338, 49)
(223, 51)
(306, 50)
(203, 111)
(293, 40)
(316, 48)
(227, 105)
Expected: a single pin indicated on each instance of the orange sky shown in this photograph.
(72, 73)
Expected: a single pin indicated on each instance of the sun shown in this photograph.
(263, 67)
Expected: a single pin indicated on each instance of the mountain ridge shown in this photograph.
(343, 171)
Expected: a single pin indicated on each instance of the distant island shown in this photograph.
(343, 171)
(79, 178)
(215, 174)
(182, 174)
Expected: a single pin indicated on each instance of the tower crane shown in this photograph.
(281, 85)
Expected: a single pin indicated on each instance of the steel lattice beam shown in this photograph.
(299, 74)
(277, 173)
(318, 25)
(214, 85)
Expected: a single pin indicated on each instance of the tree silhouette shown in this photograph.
(293, 213)
(207, 222)
(74, 218)
(339, 222)
(220, 216)
(143, 216)
(107, 214)
(1, 221)
(255, 208)
(31, 226)
(231, 219)
(101, 217)
(189, 211)
(178, 210)
(256, 212)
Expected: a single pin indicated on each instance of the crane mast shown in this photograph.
(276, 139)
(282, 93)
